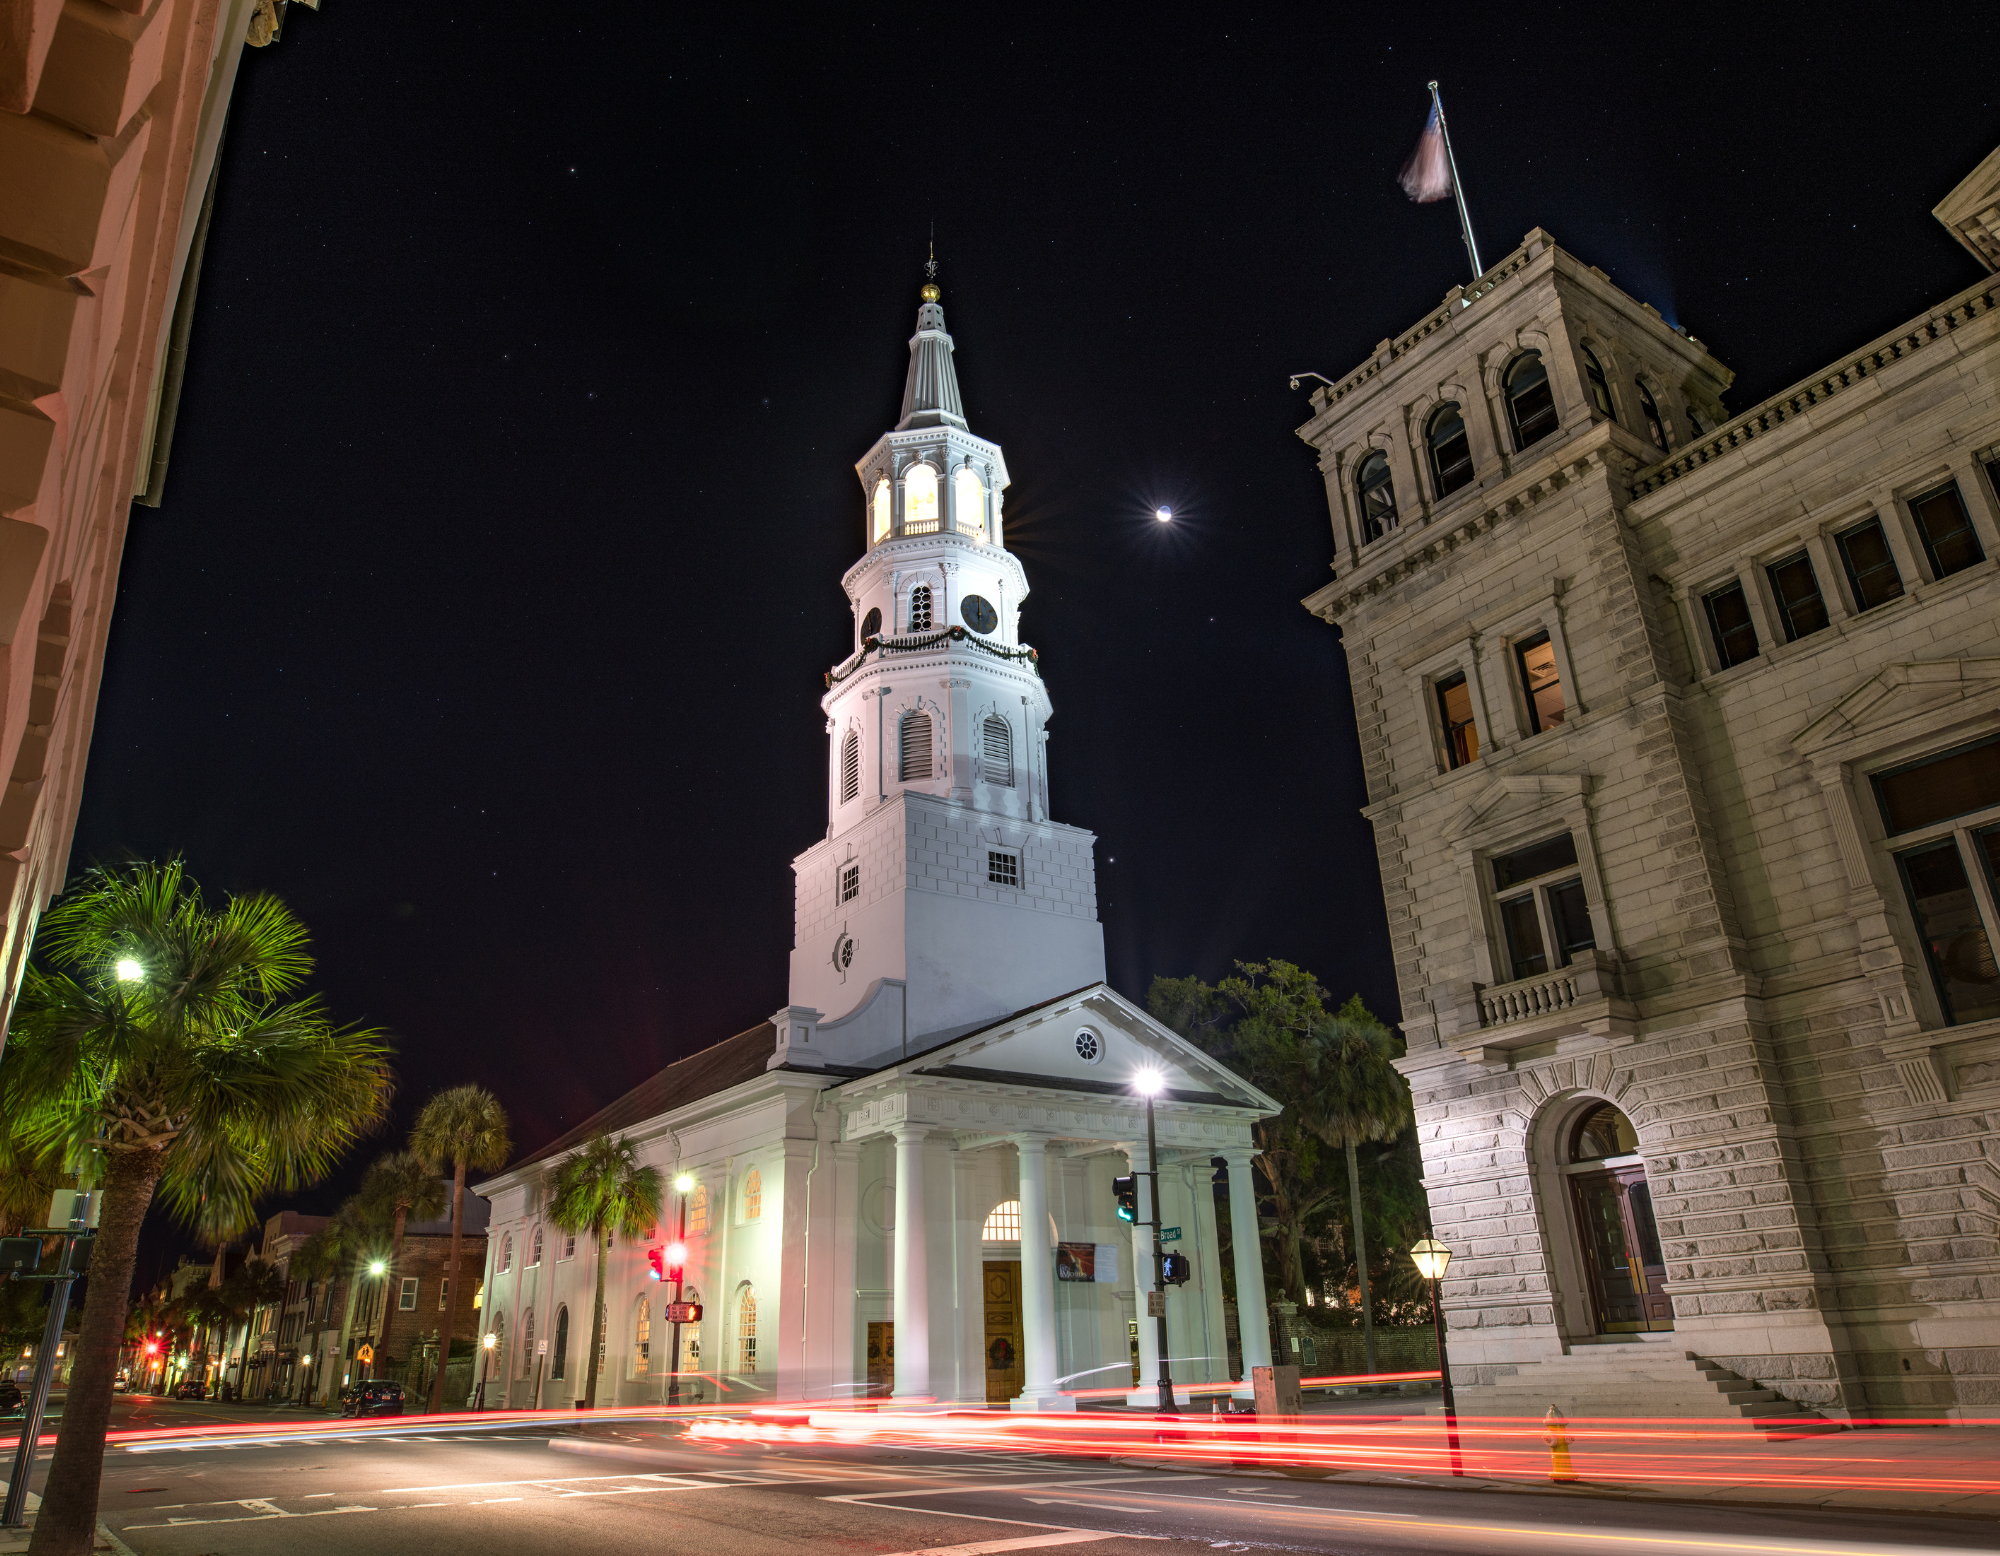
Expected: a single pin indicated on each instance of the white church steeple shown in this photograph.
(943, 897)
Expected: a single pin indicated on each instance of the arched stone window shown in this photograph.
(642, 1338)
(1656, 424)
(913, 745)
(971, 503)
(997, 740)
(1003, 1223)
(753, 1195)
(698, 1212)
(1600, 386)
(506, 1260)
(535, 1249)
(559, 1351)
(1375, 491)
(500, 1346)
(528, 1343)
(885, 510)
(690, 1335)
(1695, 424)
(1451, 453)
(746, 1331)
(850, 766)
(920, 501)
(1602, 1133)
(920, 608)
(1531, 403)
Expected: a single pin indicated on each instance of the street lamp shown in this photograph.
(486, 1344)
(677, 1263)
(1430, 1257)
(128, 970)
(1148, 1084)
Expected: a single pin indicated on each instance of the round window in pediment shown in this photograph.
(979, 613)
(1089, 1046)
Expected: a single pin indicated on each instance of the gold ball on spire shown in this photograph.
(930, 293)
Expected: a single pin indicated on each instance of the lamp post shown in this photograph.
(486, 1344)
(1430, 1257)
(1148, 1083)
(377, 1268)
(683, 1186)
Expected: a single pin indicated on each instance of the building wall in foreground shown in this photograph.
(1820, 1145)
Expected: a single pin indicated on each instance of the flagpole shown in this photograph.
(1457, 189)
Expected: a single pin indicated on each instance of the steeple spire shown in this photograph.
(930, 393)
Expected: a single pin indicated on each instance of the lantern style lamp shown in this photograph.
(1431, 1258)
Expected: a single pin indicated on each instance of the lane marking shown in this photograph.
(1044, 1485)
(1026, 1542)
(482, 1501)
(254, 1518)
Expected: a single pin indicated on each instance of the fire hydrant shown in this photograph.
(1560, 1469)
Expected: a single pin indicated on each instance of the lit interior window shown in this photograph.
(971, 504)
(885, 508)
(1004, 1224)
(920, 500)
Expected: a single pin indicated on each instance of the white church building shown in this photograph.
(902, 1182)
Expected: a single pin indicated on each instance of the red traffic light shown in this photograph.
(677, 1258)
(656, 1259)
(152, 1347)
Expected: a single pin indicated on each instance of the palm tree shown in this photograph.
(1356, 1094)
(28, 1178)
(467, 1127)
(604, 1189)
(162, 1045)
(397, 1187)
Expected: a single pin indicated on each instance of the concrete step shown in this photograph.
(1636, 1380)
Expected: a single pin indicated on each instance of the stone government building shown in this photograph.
(1682, 739)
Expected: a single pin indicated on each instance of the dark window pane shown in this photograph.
(1378, 497)
(1524, 937)
(1694, 423)
(1530, 402)
(1451, 455)
(1871, 566)
(1640, 1197)
(1569, 915)
(1602, 1132)
(1600, 391)
(1949, 542)
(1524, 864)
(1954, 784)
(1729, 623)
(1461, 734)
(1955, 944)
(1540, 682)
(1800, 607)
(1656, 425)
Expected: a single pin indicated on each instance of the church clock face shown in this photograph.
(871, 625)
(979, 613)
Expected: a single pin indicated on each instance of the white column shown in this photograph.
(1038, 1282)
(913, 1317)
(1147, 1390)
(1253, 1312)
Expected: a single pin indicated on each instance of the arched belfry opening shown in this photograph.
(1612, 1206)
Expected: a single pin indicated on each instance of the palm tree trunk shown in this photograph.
(1360, 1253)
(391, 1286)
(67, 1523)
(451, 1275)
(597, 1321)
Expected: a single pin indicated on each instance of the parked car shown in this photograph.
(190, 1388)
(11, 1397)
(377, 1397)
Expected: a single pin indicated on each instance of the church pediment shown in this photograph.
(1502, 799)
(1899, 698)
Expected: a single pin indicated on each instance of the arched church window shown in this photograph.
(850, 766)
(698, 1210)
(920, 608)
(527, 1342)
(535, 1249)
(559, 1352)
(1451, 454)
(1600, 386)
(999, 750)
(642, 1339)
(871, 624)
(1531, 404)
(1656, 425)
(1003, 1224)
(971, 503)
(506, 1260)
(914, 747)
(746, 1331)
(753, 1196)
(1602, 1132)
(920, 501)
(1375, 487)
(885, 509)
(690, 1335)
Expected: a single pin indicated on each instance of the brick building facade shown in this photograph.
(1679, 732)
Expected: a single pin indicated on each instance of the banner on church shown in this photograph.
(1097, 1262)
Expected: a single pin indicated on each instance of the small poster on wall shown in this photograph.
(1095, 1262)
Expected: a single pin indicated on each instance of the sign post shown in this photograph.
(74, 1261)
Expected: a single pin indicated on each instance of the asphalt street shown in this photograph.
(622, 1486)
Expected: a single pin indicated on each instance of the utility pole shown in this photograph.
(1149, 1084)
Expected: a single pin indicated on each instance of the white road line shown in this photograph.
(482, 1501)
(1026, 1542)
(254, 1518)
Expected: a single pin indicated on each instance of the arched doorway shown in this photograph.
(1622, 1260)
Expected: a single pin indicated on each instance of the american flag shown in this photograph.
(1427, 175)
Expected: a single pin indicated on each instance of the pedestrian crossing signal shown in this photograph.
(683, 1312)
(1175, 1269)
(1127, 1190)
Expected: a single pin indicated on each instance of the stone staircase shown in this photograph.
(1643, 1378)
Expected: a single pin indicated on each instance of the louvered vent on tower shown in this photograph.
(999, 742)
(916, 747)
(850, 766)
(920, 608)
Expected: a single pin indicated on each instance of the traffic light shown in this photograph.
(656, 1257)
(677, 1258)
(1175, 1269)
(1127, 1190)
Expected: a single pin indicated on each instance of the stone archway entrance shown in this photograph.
(1613, 1205)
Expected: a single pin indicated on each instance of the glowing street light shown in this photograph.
(1431, 1258)
(486, 1343)
(378, 1267)
(1164, 515)
(128, 970)
(684, 1184)
(1148, 1084)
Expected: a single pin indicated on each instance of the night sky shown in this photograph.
(485, 617)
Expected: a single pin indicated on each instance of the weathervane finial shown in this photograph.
(931, 293)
